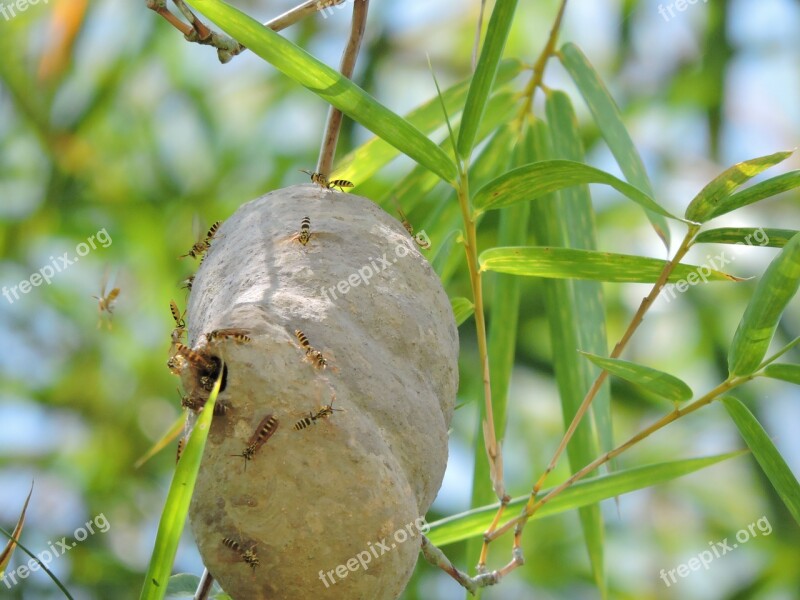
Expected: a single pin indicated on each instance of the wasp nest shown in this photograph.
(339, 351)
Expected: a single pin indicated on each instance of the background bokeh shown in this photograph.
(127, 128)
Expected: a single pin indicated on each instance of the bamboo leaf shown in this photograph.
(14, 542)
(760, 191)
(784, 372)
(777, 287)
(762, 236)
(173, 517)
(716, 195)
(463, 308)
(583, 493)
(8, 551)
(328, 84)
(537, 179)
(608, 119)
(363, 162)
(485, 72)
(659, 383)
(767, 455)
(569, 263)
(576, 314)
(172, 433)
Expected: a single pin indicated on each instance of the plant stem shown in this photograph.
(533, 505)
(637, 319)
(540, 64)
(334, 122)
(471, 248)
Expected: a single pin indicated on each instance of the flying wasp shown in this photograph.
(322, 181)
(199, 248)
(266, 428)
(106, 301)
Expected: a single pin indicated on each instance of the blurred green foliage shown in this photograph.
(110, 122)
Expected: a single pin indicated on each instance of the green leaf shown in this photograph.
(784, 372)
(8, 551)
(537, 179)
(14, 542)
(777, 287)
(328, 84)
(749, 236)
(569, 263)
(173, 517)
(767, 455)
(715, 197)
(575, 312)
(583, 493)
(760, 191)
(463, 308)
(608, 119)
(485, 72)
(363, 162)
(659, 383)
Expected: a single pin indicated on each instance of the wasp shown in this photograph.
(322, 180)
(198, 360)
(248, 556)
(196, 404)
(181, 444)
(323, 413)
(304, 235)
(318, 360)
(187, 283)
(301, 337)
(266, 428)
(176, 364)
(106, 301)
(207, 367)
(199, 248)
(425, 245)
(236, 334)
(180, 324)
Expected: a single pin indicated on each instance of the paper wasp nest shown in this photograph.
(327, 503)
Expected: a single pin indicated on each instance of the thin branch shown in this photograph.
(637, 319)
(540, 64)
(204, 588)
(533, 505)
(348, 64)
(196, 31)
(477, 43)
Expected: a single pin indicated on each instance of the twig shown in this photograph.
(348, 64)
(533, 505)
(540, 64)
(477, 43)
(204, 588)
(196, 31)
